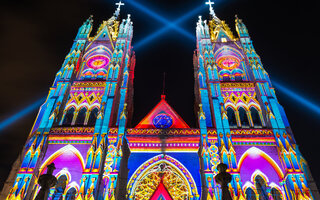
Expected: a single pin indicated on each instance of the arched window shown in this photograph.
(250, 194)
(243, 118)
(231, 118)
(93, 117)
(68, 117)
(226, 78)
(276, 195)
(81, 116)
(261, 188)
(255, 118)
(238, 78)
(60, 187)
(71, 194)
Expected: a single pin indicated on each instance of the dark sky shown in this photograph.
(35, 37)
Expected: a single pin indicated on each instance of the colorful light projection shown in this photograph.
(162, 116)
(161, 193)
(97, 62)
(229, 61)
(145, 183)
(162, 121)
(255, 159)
(67, 158)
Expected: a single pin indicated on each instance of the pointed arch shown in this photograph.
(257, 122)
(61, 151)
(261, 174)
(261, 187)
(34, 159)
(231, 117)
(101, 48)
(97, 159)
(93, 116)
(243, 118)
(116, 72)
(250, 194)
(89, 159)
(26, 159)
(71, 193)
(81, 116)
(209, 68)
(60, 187)
(257, 152)
(110, 71)
(157, 160)
(67, 120)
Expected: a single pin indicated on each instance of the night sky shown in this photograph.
(36, 36)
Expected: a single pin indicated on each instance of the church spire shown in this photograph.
(117, 12)
(211, 11)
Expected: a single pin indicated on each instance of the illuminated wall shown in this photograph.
(235, 98)
(82, 127)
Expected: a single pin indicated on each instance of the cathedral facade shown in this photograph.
(84, 126)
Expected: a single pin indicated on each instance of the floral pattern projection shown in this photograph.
(96, 62)
(231, 64)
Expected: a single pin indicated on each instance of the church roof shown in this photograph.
(162, 116)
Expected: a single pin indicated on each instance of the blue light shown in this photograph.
(5, 123)
(299, 98)
(169, 24)
(168, 27)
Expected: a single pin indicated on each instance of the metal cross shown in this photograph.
(210, 3)
(119, 4)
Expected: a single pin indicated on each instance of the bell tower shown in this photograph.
(91, 93)
(235, 96)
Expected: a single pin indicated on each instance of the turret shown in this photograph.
(85, 29)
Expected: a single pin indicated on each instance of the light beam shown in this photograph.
(169, 26)
(168, 23)
(9, 121)
(297, 97)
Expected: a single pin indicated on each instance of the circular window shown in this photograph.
(97, 62)
(162, 121)
(228, 62)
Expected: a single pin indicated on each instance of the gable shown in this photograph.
(161, 193)
(162, 116)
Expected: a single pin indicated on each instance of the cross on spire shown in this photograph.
(210, 3)
(119, 4)
(212, 13)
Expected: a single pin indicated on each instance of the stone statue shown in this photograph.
(223, 178)
(46, 181)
